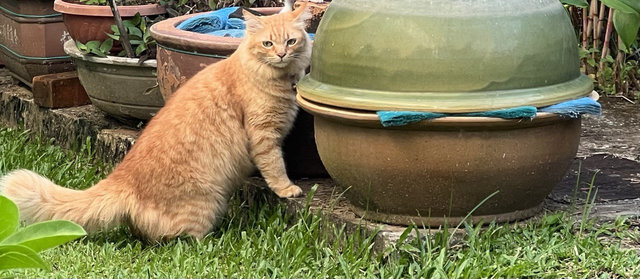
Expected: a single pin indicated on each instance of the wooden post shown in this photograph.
(124, 33)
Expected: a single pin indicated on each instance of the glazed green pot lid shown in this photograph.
(444, 55)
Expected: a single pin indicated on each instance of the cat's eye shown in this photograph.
(291, 42)
(267, 44)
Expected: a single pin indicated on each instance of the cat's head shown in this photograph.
(280, 39)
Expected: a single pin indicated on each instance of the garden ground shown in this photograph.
(265, 237)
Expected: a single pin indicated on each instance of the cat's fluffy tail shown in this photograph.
(39, 199)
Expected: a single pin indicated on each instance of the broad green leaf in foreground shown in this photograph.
(9, 217)
(45, 235)
(627, 25)
(17, 256)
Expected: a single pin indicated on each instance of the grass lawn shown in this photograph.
(261, 240)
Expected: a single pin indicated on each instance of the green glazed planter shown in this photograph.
(444, 55)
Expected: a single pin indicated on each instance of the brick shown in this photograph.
(59, 90)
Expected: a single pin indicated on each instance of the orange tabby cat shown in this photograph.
(205, 141)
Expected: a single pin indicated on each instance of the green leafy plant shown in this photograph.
(139, 37)
(98, 48)
(19, 247)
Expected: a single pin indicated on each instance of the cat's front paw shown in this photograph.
(291, 191)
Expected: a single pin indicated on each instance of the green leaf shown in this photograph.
(128, 23)
(577, 3)
(136, 19)
(627, 6)
(143, 25)
(582, 52)
(404, 234)
(45, 235)
(115, 29)
(147, 36)
(93, 45)
(115, 37)
(627, 25)
(609, 59)
(106, 46)
(135, 31)
(136, 42)
(140, 49)
(9, 217)
(16, 256)
(82, 47)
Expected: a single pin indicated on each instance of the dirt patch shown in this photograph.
(616, 132)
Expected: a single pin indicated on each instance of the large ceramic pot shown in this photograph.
(182, 54)
(119, 86)
(30, 33)
(444, 56)
(92, 22)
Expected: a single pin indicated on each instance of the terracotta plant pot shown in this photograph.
(91, 22)
(182, 54)
(455, 56)
(119, 86)
(30, 39)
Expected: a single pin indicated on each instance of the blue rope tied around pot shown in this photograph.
(569, 109)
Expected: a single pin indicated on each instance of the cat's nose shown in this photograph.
(281, 55)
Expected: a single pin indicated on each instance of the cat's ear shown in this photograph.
(251, 21)
(301, 14)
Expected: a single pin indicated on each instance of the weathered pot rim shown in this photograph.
(105, 11)
(371, 119)
(166, 34)
(73, 51)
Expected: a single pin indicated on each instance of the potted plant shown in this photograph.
(123, 87)
(454, 57)
(30, 41)
(91, 20)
